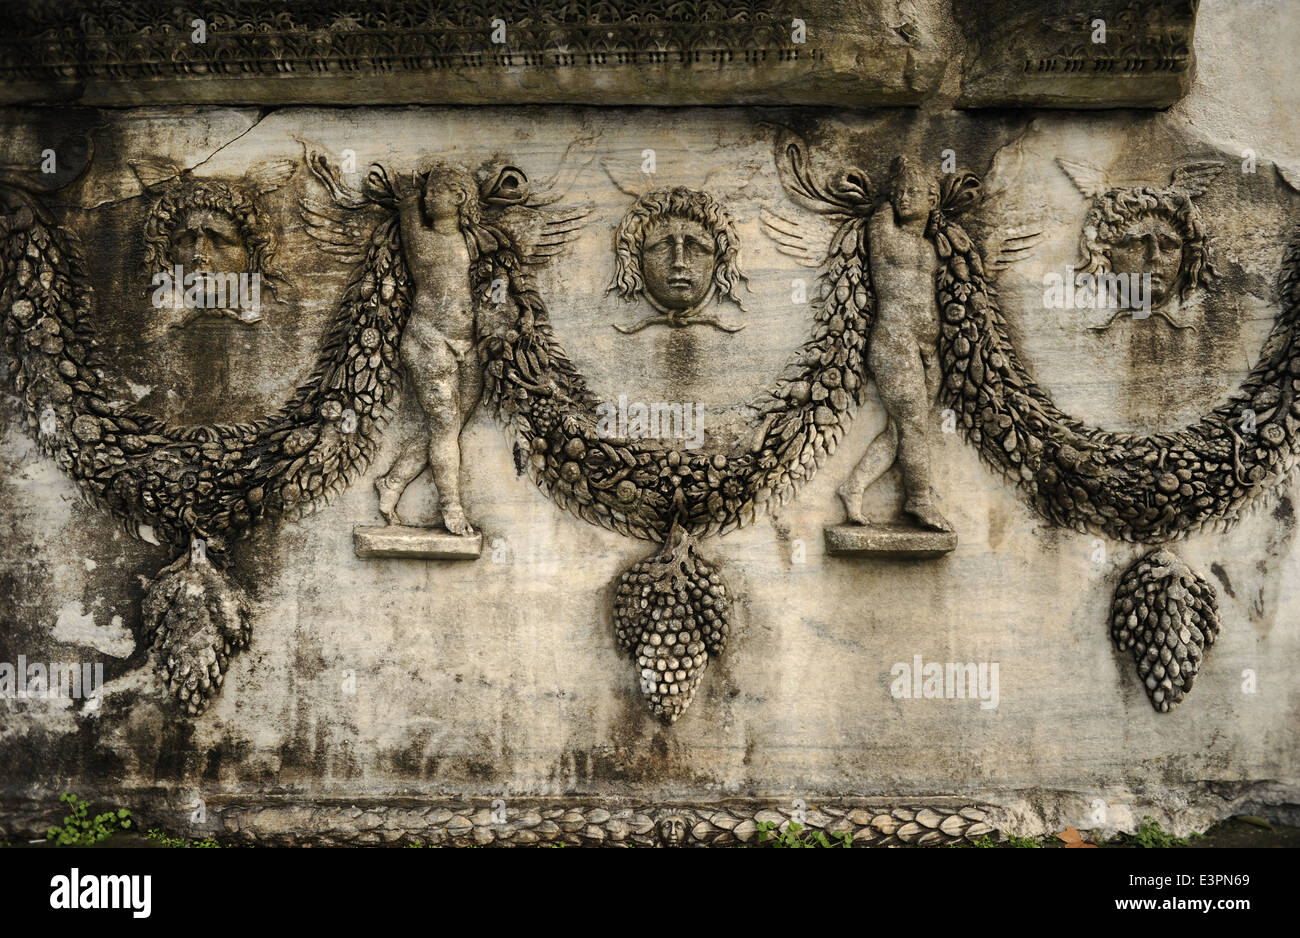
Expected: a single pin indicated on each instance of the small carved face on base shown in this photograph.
(672, 830)
(678, 248)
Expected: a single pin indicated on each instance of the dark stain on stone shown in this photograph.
(228, 751)
(1222, 576)
(1284, 510)
(174, 747)
(407, 760)
(481, 770)
(345, 762)
(297, 756)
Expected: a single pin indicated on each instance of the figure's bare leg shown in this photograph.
(904, 390)
(435, 374)
(410, 462)
(470, 386)
(874, 463)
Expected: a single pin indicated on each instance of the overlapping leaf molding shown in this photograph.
(578, 821)
(211, 483)
(686, 825)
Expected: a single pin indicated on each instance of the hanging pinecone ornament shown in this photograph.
(670, 614)
(198, 618)
(1167, 615)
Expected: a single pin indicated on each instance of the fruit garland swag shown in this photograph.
(211, 483)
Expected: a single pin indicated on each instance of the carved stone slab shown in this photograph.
(1112, 53)
(415, 543)
(849, 53)
(888, 540)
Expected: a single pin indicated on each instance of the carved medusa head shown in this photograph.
(679, 247)
(207, 226)
(1149, 230)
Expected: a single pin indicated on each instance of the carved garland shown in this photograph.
(214, 482)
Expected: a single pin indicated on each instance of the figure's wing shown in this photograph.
(540, 234)
(342, 233)
(578, 155)
(1195, 178)
(1087, 178)
(1004, 248)
(343, 225)
(805, 241)
(511, 202)
(153, 173)
(270, 175)
(627, 177)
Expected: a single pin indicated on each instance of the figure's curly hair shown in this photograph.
(1117, 209)
(456, 177)
(677, 202)
(231, 201)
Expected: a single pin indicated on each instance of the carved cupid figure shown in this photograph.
(903, 353)
(447, 221)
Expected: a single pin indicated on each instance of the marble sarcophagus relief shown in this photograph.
(638, 416)
(443, 296)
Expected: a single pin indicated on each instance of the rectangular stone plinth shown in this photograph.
(415, 543)
(888, 540)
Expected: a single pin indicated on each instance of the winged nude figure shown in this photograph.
(447, 218)
(902, 356)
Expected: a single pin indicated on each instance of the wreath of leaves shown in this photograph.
(216, 481)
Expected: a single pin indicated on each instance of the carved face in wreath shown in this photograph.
(678, 260)
(212, 231)
(1149, 245)
(207, 241)
(678, 248)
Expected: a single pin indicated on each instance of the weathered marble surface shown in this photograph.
(453, 685)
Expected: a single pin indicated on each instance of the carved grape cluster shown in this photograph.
(671, 617)
(1167, 616)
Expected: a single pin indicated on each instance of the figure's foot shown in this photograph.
(388, 499)
(852, 500)
(927, 514)
(454, 520)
